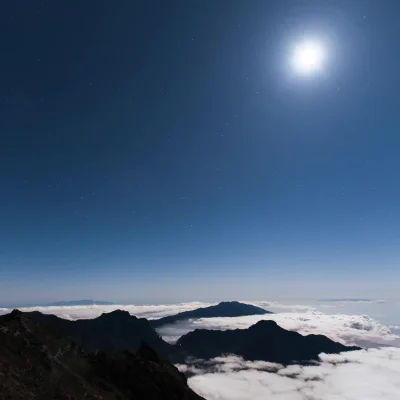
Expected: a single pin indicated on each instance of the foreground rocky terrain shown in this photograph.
(36, 362)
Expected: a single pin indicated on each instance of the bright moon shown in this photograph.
(308, 57)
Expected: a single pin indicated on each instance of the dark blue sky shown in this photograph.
(163, 151)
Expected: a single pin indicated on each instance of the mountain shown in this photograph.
(79, 303)
(110, 332)
(37, 363)
(118, 331)
(224, 309)
(265, 341)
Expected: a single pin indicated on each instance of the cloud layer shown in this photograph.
(147, 311)
(348, 329)
(93, 311)
(358, 375)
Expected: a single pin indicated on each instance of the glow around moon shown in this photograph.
(308, 57)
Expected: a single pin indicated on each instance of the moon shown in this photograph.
(308, 57)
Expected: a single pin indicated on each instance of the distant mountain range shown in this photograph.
(265, 340)
(79, 303)
(224, 309)
(37, 363)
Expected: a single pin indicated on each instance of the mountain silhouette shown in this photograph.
(119, 331)
(224, 309)
(36, 362)
(111, 332)
(265, 341)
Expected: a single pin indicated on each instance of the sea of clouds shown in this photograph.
(359, 330)
(94, 311)
(371, 374)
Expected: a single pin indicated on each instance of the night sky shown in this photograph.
(166, 150)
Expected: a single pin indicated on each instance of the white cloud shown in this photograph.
(150, 311)
(93, 311)
(355, 301)
(278, 306)
(141, 311)
(229, 363)
(358, 375)
(397, 327)
(348, 329)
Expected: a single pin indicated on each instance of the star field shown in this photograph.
(170, 145)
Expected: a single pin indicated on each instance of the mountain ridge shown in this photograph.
(265, 341)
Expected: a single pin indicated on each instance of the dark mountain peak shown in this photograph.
(235, 305)
(16, 321)
(238, 307)
(223, 309)
(265, 324)
(117, 314)
(15, 314)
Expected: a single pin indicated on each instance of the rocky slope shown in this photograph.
(36, 362)
(111, 332)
